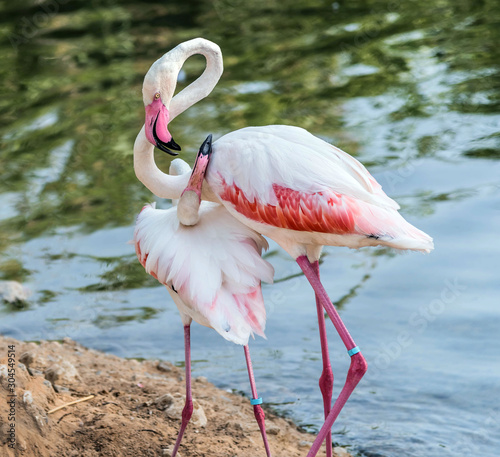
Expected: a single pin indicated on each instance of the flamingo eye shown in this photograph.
(157, 95)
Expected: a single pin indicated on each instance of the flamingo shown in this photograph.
(213, 272)
(282, 182)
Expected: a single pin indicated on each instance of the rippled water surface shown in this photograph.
(412, 89)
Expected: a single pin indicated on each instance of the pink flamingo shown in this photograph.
(282, 182)
(213, 272)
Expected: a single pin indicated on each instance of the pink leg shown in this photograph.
(358, 366)
(256, 401)
(188, 407)
(326, 379)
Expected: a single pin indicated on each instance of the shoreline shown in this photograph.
(135, 409)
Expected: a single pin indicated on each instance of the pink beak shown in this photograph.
(189, 203)
(200, 168)
(157, 133)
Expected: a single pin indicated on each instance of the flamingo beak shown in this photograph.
(200, 168)
(157, 133)
(189, 203)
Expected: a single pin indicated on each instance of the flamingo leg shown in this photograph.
(256, 401)
(326, 378)
(188, 407)
(358, 365)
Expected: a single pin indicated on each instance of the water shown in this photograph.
(411, 89)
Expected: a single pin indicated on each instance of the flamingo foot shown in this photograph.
(256, 401)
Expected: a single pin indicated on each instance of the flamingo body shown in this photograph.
(212, 270)
(300, 191)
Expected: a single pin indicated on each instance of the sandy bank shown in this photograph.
(135, 410)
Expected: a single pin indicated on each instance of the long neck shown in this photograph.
(200, 88)
(161, 184)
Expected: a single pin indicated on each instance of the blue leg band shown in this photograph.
(256, 401)
(353, 351)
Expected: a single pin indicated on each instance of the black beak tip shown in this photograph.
(165, 146)
(173, 145)
(206, 147)
(161, 146)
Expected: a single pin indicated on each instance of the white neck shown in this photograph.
(161, 184)
(200, 88)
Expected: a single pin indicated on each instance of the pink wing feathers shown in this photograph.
(294, 210)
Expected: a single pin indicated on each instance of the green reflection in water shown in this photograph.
(126, 273)
(124, 315)
(70, 101)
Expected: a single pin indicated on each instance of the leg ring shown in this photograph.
(353, 351)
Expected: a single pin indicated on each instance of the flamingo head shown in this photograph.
(157, 92)
(157, 133)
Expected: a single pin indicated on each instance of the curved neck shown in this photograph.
(161, 184)
(200, 88)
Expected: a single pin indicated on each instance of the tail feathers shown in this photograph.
(236, 317)
(412, 244)
(387, 227)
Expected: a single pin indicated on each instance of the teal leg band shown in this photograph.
(353, 351)
(256, 401)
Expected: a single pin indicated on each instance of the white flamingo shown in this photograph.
(213, 272)
(282, 182)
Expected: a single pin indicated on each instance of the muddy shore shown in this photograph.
(135, 409)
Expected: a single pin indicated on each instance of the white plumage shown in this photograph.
(255, 158)
(212, 270)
